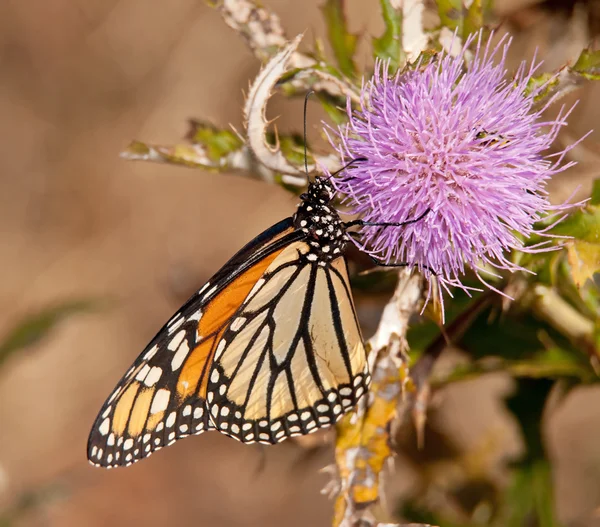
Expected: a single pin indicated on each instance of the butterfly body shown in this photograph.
(321, 223)
(268, 349)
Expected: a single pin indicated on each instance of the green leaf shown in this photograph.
(192, 156)
(588, 64)
(595, 200)
(342, 42)
(554, 363)
(584, 261)
(218, 143)
(567, 79)
(456, 17)
(529, 499)
(389, 45)
(583, 251)
(34, 328)
(583, 224)
(334, 110)
(210, 148)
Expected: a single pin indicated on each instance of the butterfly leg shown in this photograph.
(362, 223)
(381, 263)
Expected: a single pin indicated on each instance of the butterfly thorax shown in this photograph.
(325, 230)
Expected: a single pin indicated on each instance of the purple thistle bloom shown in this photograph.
(455, 137)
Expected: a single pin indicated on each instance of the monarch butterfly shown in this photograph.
(269, 348)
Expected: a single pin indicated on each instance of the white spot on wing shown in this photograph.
(209, 292)
(104, 427)
(176, 340)
(151, 352)
(171, 419)
(220, 348)
(152, 377)
(160, 401)
(142, 373)
(196, 316)
(180, 356)
(175, 323)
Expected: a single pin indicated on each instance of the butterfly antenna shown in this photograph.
(310, 92)
(351, 162)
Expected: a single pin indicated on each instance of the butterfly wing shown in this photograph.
(292, 359)
(162, 396)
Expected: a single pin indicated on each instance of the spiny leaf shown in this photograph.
(567, 79)
(583, 224)
(584, 259)
(342, 41)
(255, 112)
(588, 64)
(457, 17)
(192, 156)
(218, 142)
(259, 27)
(583, 251)
(389, 45)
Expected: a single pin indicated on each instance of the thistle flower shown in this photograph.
(457, 138)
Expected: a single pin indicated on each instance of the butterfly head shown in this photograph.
(320, 191)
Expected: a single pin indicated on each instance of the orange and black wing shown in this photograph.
(162, 397)
(292, 359)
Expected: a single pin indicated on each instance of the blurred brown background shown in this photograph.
(78, 81)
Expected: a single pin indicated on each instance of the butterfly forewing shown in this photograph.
(292, 360)
(162, 396)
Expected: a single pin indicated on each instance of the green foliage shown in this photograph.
(529, 497)
(568, 78)
(455, 16)
(218, 143)
(342, 41)
(588, 64)
(389, 45)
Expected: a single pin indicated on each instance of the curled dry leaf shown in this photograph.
(259, 27)
(193, 156)
(255, 113)
(262, 31)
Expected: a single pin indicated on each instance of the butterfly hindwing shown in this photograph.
(162, 396)
(292, 360)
